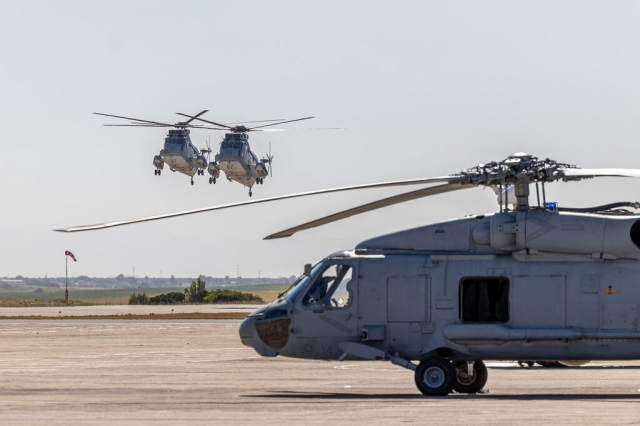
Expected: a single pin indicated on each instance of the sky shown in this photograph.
(422, 88)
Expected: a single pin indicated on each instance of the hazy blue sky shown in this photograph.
(424, 89)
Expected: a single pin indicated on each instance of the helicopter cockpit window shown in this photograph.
(484, 299)
(237, 145)
(301, 283)
(332, 289)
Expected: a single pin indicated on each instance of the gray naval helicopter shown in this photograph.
(236, 160)
(179, 153)
(529, 282)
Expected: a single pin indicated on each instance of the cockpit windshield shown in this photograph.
(301, 283)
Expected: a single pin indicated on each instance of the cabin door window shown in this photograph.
(484, 299)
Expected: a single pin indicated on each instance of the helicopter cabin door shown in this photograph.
(328, 309)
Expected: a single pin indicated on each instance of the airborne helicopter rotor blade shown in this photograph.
(420, 181)
(589, 173)
(195, 117)
(202, 119)
(286, 130)
(138, 125)
(259, 121)
(134, 119)
(282, 122)
(396, 199)
(205, 127)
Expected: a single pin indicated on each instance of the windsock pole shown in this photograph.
(66, 277)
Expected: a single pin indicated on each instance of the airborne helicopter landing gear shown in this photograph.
(191, 180)
(250, 193)
(212, 180)
(157, 172)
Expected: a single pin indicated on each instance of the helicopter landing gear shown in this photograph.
(250, 193)
(212, 180)
(471, 376)
(157, 172)
(435, 376)
(200, 172)
(191, 180)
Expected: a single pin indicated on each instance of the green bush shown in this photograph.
(138, 299)
(230, 296)
(196, 292)
(167, 299)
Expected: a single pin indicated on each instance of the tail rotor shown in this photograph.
(270, 160)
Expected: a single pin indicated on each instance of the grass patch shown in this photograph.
(179, 316)
(30, 303)
(267, 292)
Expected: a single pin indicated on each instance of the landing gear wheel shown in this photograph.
(155, 172)
(159, 172)
(470, 384)
(435, 376)
(210, 180)
(191, 181)
(214, 180)
(250, 193)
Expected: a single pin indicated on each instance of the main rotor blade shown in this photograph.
(286, 130)
(196, 116)
(396, 199)
(282, 122)
(589, 173)
(138, 125)
(259, 121)
(264, 200)
(134, 119)
(202, 119)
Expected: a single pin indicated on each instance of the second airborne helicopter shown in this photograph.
(235, 158)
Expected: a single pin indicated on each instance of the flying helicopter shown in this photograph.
(235, 158)
(529, 281)
(179, 153)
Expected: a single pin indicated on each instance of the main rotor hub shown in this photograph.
(519, 168)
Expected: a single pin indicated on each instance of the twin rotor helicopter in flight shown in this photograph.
(235, 157)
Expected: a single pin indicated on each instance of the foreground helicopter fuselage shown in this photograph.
(533, 283)
(517, 285)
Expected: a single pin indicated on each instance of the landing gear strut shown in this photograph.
(471, 376)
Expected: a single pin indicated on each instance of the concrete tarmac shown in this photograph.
(54, 311)
(67, 372)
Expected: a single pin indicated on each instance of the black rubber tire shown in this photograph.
(214, 180)
(159, 172)
(435, 376)
(466, 384)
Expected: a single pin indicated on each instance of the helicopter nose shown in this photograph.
(247, 330)
(266, 331)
